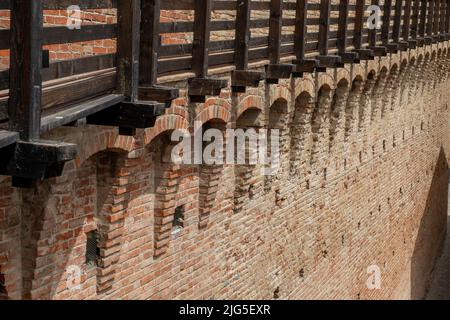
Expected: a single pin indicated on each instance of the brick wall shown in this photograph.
(363, 182)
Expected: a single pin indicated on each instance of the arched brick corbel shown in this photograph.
(351, 109)
(337, 123)
(248, 180)
(389, 91)
(365, 102)
(377, 95)
(319, 126)
(300, 131)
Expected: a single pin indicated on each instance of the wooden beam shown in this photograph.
(430, 20)
(415, 20)
(447, 17)
(8, 138)
(25, 68)
(407, 25)
(386, 21)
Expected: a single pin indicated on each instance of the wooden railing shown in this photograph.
(293, 37)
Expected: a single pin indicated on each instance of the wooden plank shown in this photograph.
(79, 111)
(447, 17)
(430, 18)
(25, 70)
(423, 19)
(151, 10)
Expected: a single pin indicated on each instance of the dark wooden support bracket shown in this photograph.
(328, 61)
(379, 51)
(241, 79)
(129, 116)
(275, 72)
(392, 47)
(158, 93)
(199, 88)
(28, 161)
(304, 66)
(365, 54)
(403, 45)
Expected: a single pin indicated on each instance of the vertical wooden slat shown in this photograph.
(437, 16)
(415, 19)
(300, 29)
(128, 48)
(447, 17)
(386, 21)
(324, 27)
(397, 21)
(407, 20)
(359, 21)
(242, 34)
(275, 26)
(430, 18)
(372, 33)
(150, 20)
(442, 18)
(202, 27)
(423, 18)
(342, 27)
(25, 68)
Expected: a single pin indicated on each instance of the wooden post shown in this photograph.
(325, 60)
(447, 19)
(148, 58)
(372, 36)
(347, 57)
(243, 14)
(437, 16)
(407, 25)
(386, 21)
(397, 21)
(201, 85)
(300, 37)
(200, 46)
(364, 54)
(430, 20)
(275, 25)
(25, 69)
(128, 48)
(241, 77)
(415, 20)
(149, 41)
(275, 70)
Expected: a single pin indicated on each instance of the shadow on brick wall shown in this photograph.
(432, 230)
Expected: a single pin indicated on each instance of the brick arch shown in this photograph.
(250, 102)
(279, 92)
(104, 141)
(358, 72)
(325, 79)
(304, 86)
(163, 124)
(214, 112)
